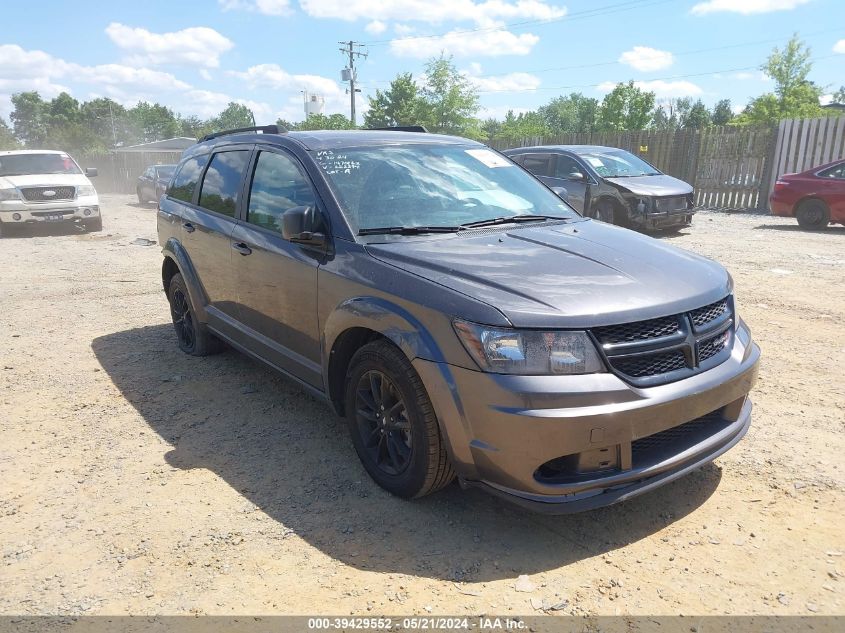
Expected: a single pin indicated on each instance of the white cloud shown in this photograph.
(500, 112)
(461, 44)
(839, 47)
(431, 11)
(266, 7)
(826, 99)
(662, 89)
(207, 103)
(745, 7)
(205, 74)
(376, 27)
(646, 59)
(274, 76)
(195, 46)
(511, 82)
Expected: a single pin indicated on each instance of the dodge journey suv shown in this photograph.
(463, 319)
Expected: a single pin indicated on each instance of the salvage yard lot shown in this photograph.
(136, 479)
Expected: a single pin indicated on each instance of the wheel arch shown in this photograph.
(176, 260)
(357, 322)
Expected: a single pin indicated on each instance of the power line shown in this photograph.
(577, 15)
(350, 74)
(702, 74)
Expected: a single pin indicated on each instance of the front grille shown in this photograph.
(651, 364)
(639, 331)
(708, 348)
(667, 205)
(656, 351)
(650, 449)
(37, 194)
(703, 316)
(53, 212)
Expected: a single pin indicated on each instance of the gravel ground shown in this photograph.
(137, 480)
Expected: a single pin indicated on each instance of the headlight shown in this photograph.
(9, 194)
(529, 352)
(86, 190)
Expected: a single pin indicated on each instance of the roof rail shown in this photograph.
(266, 129)
(403, 128)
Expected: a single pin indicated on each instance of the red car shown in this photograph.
(816, 196)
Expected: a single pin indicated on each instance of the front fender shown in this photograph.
(388, 319)
(174, 251)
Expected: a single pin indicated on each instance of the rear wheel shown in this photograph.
(813, 215)
(193, 336)
(392, 423)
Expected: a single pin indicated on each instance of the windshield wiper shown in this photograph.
(516, 219)
(409, 230)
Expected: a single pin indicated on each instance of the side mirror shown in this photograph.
(576, 175)
(299, 224)
(90, 171)
(562, 193)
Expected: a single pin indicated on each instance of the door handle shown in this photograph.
(190, 228)
(242, 248)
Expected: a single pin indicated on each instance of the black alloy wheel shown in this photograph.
(183, 320)
(382, 422)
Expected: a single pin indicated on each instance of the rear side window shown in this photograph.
(566, 167)
(278, 185)
(183, 185)
(538, 164)
(222, 182)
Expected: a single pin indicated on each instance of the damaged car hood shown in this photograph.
(661, 185)
(576, 274)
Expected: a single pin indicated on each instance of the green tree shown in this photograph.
(490, 129)
(7, 137)
(573, 113)
(323, 122)
(108, 120)
(795, 96)
(626, 107)
(192, 126)
(235, 115)
(152, 122)
(522, 126)
(29, 118)
(400, 104)
(449, 100)
(697, 117)
(839, 95)
(722, 112)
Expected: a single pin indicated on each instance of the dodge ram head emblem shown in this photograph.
(48, 193)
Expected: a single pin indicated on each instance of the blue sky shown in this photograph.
(196, 56)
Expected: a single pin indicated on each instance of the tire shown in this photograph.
(403, 453)
(140, 195)
(95, 225)
(193, 337)
(604, 211)
(813, 215)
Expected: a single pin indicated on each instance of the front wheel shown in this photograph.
(813, 215)
(95, 225)
(140, 195)
(604, 212)
(392, 423)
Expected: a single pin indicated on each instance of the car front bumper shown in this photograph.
(501, 429)
(14, 212)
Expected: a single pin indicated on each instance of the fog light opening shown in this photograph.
(16, 217)
(86, 212)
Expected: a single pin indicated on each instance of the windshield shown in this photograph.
(432, 185)
(618, 163)
(31, 164)
(165, 171)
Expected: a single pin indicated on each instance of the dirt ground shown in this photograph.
(135, 479)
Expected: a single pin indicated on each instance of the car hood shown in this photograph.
(578, 274)
(44, 180)
(661, 185)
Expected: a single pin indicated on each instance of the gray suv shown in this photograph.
(463, 319)
(611, 185)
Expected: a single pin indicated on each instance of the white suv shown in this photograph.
(46, 186)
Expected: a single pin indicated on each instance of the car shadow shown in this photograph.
(41, 229)
(288, 454)
(794, 228)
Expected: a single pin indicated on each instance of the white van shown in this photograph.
(46, 186)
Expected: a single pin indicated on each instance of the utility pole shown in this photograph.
(349, 74)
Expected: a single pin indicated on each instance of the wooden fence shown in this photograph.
(119, 171)
(730, 167)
